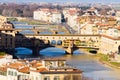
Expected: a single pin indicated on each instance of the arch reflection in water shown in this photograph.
(23, 51)
(52, 52)
(76, 52)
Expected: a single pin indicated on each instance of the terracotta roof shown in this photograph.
(111, 18)
(118, 27)
(38, 64)
(4, 68)
(16, 65)
(1, 57)
(40, 69)
(102, 24)
(24, 69)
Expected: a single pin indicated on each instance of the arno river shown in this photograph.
(86, 62)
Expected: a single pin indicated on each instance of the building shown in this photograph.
(47, 69)
(48, 15)
(6, 33)
(58, 70)
(109, 44)
(70, 15)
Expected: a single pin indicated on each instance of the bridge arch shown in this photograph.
(52, 51)
(59, 42)
(23, 51)
(53, 42)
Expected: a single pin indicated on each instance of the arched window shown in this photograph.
(46, 78)
(56, 78)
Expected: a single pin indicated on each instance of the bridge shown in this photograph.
(38, 29)
(69, 42)
(34, 31)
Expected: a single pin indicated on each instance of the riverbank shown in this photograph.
(104, 59)
(108, 61)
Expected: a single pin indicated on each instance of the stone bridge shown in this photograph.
(34, 31)
(67, 42)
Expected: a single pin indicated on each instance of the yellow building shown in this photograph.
(3, 19)
(6, 33)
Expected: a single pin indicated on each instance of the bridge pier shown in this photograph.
(35, 51)
(69, 51)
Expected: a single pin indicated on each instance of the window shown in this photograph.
(56, 78)
(47, 78)
(9, 72)
(15, 74)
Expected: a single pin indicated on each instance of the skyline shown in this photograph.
(62, 1)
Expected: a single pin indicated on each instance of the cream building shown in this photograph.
(3, 19)
(109, 44)
(48, 15)
(71, 14)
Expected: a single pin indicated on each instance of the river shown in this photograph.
(86, 62)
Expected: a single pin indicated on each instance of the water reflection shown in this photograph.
(23, 51)
(52, 52)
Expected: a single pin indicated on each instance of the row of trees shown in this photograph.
(18, 10)
(26, 10)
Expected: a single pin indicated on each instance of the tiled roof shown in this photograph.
(3, 68)
(1, 57)
(40, 69)
(118, 27)
(24, 69)
(38, 64)
(16, 65)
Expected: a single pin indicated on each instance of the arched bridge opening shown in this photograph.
(56, 42)
(52, 51)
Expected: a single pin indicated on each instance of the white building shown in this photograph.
(71, 14)
(48, 15)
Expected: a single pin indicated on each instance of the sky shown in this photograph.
(76, 1)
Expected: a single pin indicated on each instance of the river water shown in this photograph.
(87, 63)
